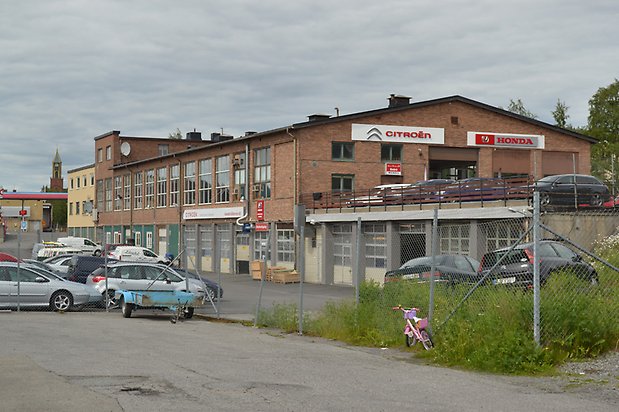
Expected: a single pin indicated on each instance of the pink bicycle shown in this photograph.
(415, 328)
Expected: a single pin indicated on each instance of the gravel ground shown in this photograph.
(595, 379)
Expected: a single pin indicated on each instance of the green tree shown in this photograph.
(176, 134)
(560, 114)
(603, 124)
(516, 106)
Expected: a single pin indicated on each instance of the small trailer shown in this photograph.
(181, 303)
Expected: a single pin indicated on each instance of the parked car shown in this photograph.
(136, 254)
(59, 264)
(426, 190)
(475, 189)
(449, 268)
(38, 289)
(378, 195)
(40, 265)
(211, 287)
(51, 251)
(80, 266)
(86, 245)
(38, 246)
(7, 257)
(572, 190)
(516, 267)
(140, 276)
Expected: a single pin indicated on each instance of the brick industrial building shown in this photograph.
(195, 193)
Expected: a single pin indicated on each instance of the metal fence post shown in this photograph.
(301, 273)
(358, 260)
(536, 274)
(433, 266)
(263, 275)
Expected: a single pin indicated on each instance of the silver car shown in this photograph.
(140, 276)
(38, 288)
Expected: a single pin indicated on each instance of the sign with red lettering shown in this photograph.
(401, 134)
(23, 212)
(262, 227)
(260, 210)
(393, 169)
(505, 140)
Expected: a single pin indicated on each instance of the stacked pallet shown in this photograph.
(276, 274)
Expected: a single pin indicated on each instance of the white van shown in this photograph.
(136, 254)
(84, 244)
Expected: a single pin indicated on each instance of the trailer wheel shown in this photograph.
(126, 308)
(188, 313)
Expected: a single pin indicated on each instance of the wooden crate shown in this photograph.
(256, 269)
(284, 276)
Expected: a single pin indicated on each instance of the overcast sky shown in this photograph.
(74, 69)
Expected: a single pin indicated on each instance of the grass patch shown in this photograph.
(492, 331)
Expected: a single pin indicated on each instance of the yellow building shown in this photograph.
(81, 195)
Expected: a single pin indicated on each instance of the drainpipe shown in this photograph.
(245, 196)
(180, 207)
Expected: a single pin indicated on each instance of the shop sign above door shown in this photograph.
(505, 140)
(398, 134)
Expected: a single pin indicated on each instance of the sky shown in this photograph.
(75, 69)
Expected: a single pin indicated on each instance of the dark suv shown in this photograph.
(572, 190)
(517, 267)
(81, 266)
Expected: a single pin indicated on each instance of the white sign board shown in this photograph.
(505, 140)
(398, 134)
(213, 213)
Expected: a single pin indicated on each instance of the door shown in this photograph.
(412, 245)
(31, 292)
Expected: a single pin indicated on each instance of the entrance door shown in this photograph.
(412, 245)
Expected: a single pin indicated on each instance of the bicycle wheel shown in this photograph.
(427, 340)
(410, 340)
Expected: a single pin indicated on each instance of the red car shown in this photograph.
(5, 257)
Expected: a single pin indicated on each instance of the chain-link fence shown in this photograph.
(489, 270)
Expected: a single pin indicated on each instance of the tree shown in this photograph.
(518, 108)
(560, 114)
(604, 113)
(176, 134)
(603, 124)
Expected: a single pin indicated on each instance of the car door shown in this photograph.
(148, 256)
(563, 190)
(26, 289)
(6, 299)
(129, 277)
(159, 277)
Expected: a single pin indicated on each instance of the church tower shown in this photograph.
(55, 182)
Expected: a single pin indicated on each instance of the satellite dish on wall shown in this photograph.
(125, 148)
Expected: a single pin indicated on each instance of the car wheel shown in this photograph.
(596, 200)
(126, 308)
(544, 199)
(97, 253)
(61, 301)
(111, 301)
(211, 294)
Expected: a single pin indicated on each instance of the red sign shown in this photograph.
(484, 139)
(262, 227)
(22, 212)
(393, 169)
(509, 140)
(260, 210)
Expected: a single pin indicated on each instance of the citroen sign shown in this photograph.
(398, 134)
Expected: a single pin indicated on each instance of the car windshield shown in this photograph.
(548, 179)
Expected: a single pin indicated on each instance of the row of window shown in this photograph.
(82, 181)
(206, 181)
(84, 207)
(345, 151)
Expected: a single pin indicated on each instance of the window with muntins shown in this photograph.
(222, 179)
(391, 152)
(285, 245)
(342, 244)
(454, 239)
(100, 195)
(127, 192)
(108, 194)
(375, 235)
(149, 189)
(162, 187)
(262, 173)
(137, 190)
(205, 191)
(190, 183)
(342, 183)
(174, 184)
(118, 191)
(342, 151)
